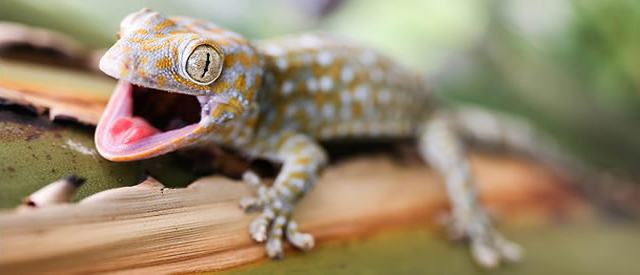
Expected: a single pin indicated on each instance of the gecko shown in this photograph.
(185, 82)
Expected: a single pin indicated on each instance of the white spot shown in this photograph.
(324, 58)
(374, 129)
(345, 96)
(291, 110)
(80, 148)
(384, 96)
(346, 75)
(368, 58)
(298, 183)
(358, 128)
(306, 58)
(309, 41)
(326, 83)
(377, 75)
(328, 110)
(361, 92)
(282, 63)
(274, 50)
(287, 87)
(345, 112)
(312, 84)
(326, 132)
(342, 129)
(273, 139)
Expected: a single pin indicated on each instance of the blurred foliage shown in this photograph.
(569, 66)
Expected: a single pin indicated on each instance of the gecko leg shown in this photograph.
(440, 146)
(303, 161)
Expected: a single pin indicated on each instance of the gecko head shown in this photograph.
(180, 79)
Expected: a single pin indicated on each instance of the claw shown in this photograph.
(258, 228)
(488, 247)
(300, 240)
(484, 255)
(252, 179)
(275, 249)
(251, 204)
(510, 251)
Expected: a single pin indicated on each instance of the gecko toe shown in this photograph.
(275, 248)
(251, 204)
(488, 247)
(484, 254)
(258, 228)
(303, 241)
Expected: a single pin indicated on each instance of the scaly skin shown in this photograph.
(276, 99)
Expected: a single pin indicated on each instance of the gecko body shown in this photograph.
(186, 82)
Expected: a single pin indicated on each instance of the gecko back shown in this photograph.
(329, 87)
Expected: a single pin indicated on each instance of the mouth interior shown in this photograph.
(163, 110)
(144, 118)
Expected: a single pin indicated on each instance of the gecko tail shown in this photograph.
(494, 129)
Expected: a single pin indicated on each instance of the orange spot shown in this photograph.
(162, 80)
(357, 109)
(223, 42)
(141, 73)
(124, 68)
(238, 40)
(126, 49)
(230, 60)
(143, 60)
(175, 53)
(141, 41)
(317, 70)
(141, 31)
(335, 69)
(164, 63)
(299, 175)
(241, 82)
(257, 82)
(244, 59)
(216, 30)
(235, 106)
(164, 24)
(159, 35)
(250, 93)
(256, 60)
(151, 48)
(177, 32)
(221, 87)
(186, 82)
(303, 161)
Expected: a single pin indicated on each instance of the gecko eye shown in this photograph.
(204, 64)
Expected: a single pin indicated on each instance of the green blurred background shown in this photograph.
(570, 66)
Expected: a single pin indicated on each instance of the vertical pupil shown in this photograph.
(206, 66)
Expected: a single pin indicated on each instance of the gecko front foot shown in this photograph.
(488, 246)
(275, 221)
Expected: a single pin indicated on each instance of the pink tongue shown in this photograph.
(126, 130)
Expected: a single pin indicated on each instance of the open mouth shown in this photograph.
(142, 122)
